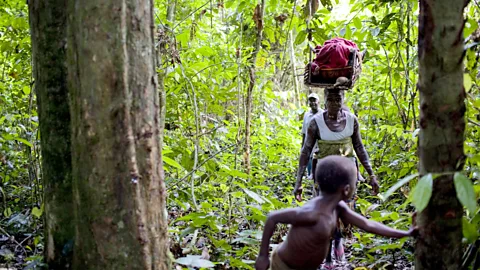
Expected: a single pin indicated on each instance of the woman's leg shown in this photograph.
(309, 167)
(338, 246)
(328, 259)
(316, 187)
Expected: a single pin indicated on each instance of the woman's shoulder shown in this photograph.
(350, 115)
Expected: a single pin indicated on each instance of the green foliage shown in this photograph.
(216, 210)
(20, 187)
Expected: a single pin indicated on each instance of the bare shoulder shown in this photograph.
(350, 114)
(342, 207)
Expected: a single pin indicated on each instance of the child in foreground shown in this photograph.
(314, 223)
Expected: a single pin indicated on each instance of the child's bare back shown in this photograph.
(309, 241)
(313, 224)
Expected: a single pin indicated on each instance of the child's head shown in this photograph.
(336, 174)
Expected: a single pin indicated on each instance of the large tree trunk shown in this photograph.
(48, 33)
(119, 193)
(442, 108)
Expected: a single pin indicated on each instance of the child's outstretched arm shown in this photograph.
(370, 226)
(294, 216)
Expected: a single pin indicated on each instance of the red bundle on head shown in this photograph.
(334, 53)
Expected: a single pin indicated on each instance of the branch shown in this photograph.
(473, 123)
(13, 240)
(402, 113)
(191, 13)
(193, 98)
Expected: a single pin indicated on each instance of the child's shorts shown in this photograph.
(276, 263)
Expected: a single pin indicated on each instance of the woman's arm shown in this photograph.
(363, 155)
(310, 139)
(360, 148)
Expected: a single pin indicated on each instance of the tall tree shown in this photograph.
(258, 18)
(118, 187)
(48, 34)
(442, 125)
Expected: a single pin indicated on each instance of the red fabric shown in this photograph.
(333, 54)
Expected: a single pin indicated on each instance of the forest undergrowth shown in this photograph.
(215, 208)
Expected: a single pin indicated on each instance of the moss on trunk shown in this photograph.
(48, 33)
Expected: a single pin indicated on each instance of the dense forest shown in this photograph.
(160, 134)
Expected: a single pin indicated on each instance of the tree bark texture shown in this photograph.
(258, 18)
(442, 123)
(48, 34)
(118, 187)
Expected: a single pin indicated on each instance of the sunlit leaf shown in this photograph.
(422, 192)
(172, 162)
(465, 192)
(467, 82)
(37, 212)
(24, 142)
(195, 261)
(254, 196)
(397, 185)
(357, 22)
(26, 90)
(470, 231)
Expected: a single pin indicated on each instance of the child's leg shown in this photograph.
(328, 259)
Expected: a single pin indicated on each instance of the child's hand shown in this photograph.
(413, 232)
(414, 229)
(262, 263)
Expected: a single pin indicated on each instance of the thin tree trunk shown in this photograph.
(48, 33)
(442, 125)
(164, 36)
(118, 186)
(259, 10)
(294, 75)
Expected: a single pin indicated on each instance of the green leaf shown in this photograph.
(422, 192)
(470, 231)
(24, 141)
(357, 22)
(465, 192)
(37, 212)
(326, 3)
(195, 261)
(467, 81)
(7, 212)
(254, 196)
(300, 37)
(397, 185)
(26, 90)
(238, 174)
(172, 162)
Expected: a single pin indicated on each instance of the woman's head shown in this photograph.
(334, 100)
